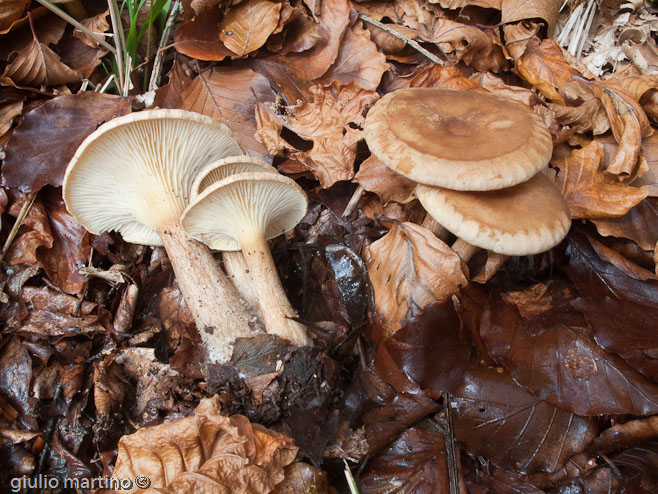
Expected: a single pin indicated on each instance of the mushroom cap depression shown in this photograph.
(136, 171)
(525, 219)
(220, 169)
(462, 140)
(242, 206)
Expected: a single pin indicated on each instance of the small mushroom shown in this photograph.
(234, 264)
(242, 211)
(133, 175)
(525, 219)
(460, 140)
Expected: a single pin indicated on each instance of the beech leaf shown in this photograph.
(247, 26)
(207, 453)
(36, 64)
(587, 190)
(43, 144)
(497, 418)
(409, 269)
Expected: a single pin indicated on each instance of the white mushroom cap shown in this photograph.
(242, 206)
(526, 219)
(135, 172)
(220, 169)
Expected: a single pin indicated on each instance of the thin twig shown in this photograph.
(450, 446)
(119, 41)
(414, 44)
(29, 200)
(72, 21)
(164, 41)
(354, 200)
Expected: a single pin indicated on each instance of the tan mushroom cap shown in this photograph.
(462, 140)
(136, 171)
(242, 206)
(220, 169)
(526, 219)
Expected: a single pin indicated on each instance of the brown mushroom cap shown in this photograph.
(526, 219)
(462, 140)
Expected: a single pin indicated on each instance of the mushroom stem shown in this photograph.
(274, 304)
(432, 225)
(218, 312)
(238, 272)
(464, 250)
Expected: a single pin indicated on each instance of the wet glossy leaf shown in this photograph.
(502, 421)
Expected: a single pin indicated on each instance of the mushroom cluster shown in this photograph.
(477, 160)
(138, 173)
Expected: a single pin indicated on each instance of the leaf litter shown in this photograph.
(537, 375)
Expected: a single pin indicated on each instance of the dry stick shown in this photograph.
(354, 200)
(453, 473)
(164, 40)
(414, 44)
(56, 10)
(19, 221)
(119, 40)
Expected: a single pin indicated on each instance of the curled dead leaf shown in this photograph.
(410, 268)
(332, 121)
(375, 176)
(587, 190)
(204, 454)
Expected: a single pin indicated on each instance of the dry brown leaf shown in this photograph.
(297, 31)
(638, 45)
(467, 44)
(358, 60)
(198, 37)
(446, 76)
(545, 66)
(520, 10)
(206, 454)
(227, 94)
(629, 124)
(585, 112)
(588, 192)
(640, 224)
(10, 11)
(97, 25)
(626, 266)
(458, 4)
(644, 89)
(375, 176)
(410, 268)
(247, 26)
(312, 64)
(495, 85)
(332, 120)
(36, 64)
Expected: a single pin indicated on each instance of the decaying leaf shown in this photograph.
(410, 268)
(640, 224)
(497, 418)
(97, 25)
(206, 453)
(332, 121)
(588, 191)
(10, 11)
(42, 146)
(519, 10)
(247, 26)
(198, 37)
(563, 365)
(358, 60)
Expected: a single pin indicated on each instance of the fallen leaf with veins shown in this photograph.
(410, 268)
(588, 191)
(332, 121)
(36, 64)
(640, 224)
(358, 60)
(246, 27)
(496, 418)
(204, 454)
